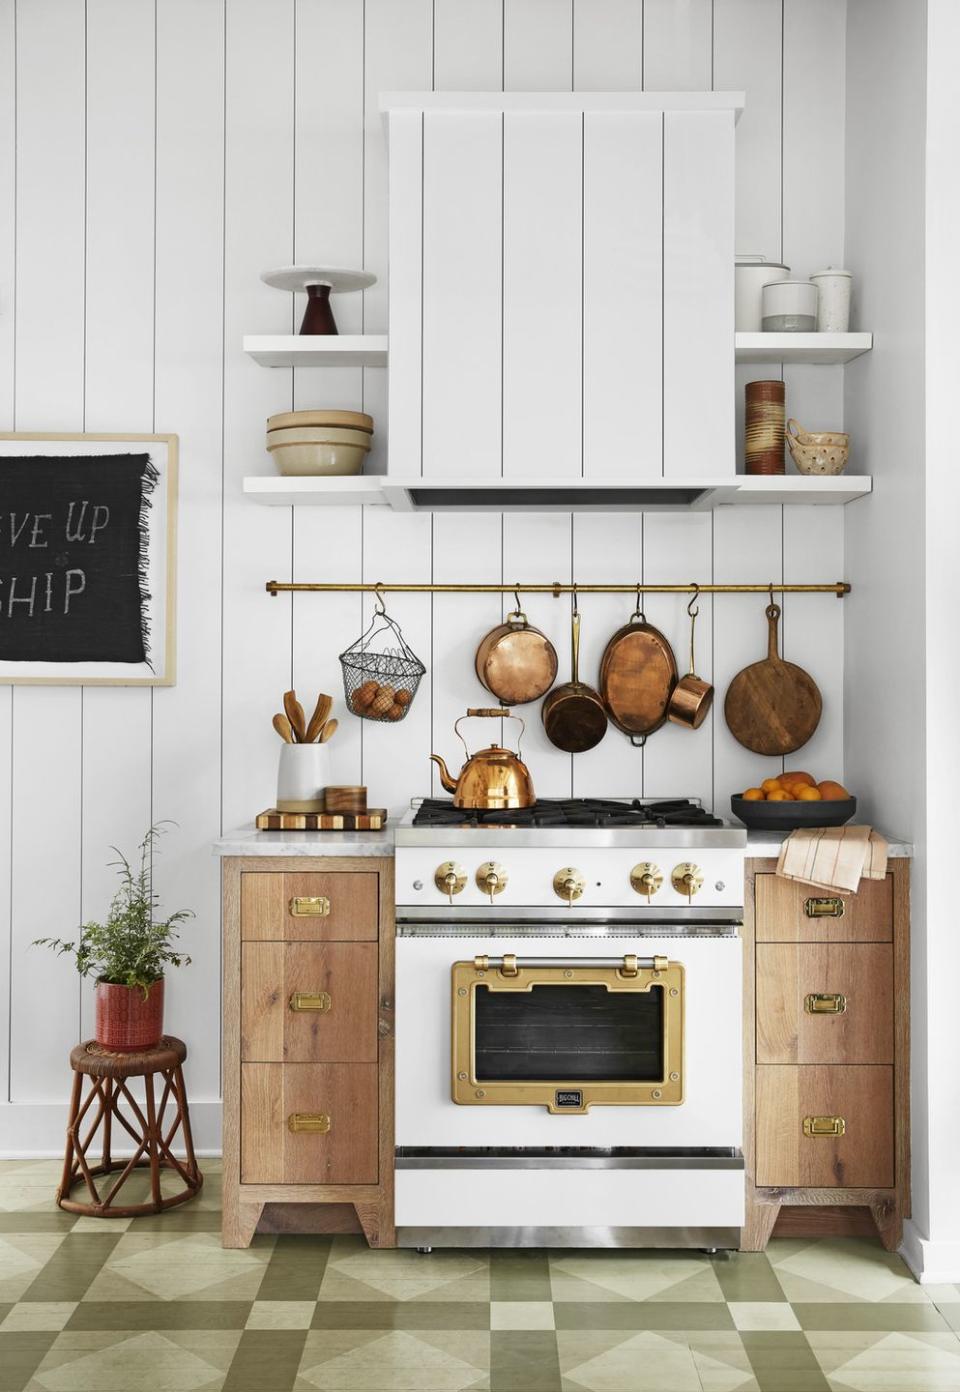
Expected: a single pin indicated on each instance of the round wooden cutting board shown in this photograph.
(773, 706)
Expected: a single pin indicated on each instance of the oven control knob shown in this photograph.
(569, 884)
(450, 878)
(687, 878)
(491, 878)
(646, 878)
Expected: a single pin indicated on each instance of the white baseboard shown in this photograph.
(36, 1130)
(933, 1263)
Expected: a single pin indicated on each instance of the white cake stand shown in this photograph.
(319, 282)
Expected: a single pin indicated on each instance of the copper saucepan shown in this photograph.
(515, 661)
(692, 697)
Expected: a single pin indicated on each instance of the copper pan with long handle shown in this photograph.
(573, 714)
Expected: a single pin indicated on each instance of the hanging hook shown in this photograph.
(693, 600)
(516, 598)
(638, 612)
(573, 591)
(380, 606)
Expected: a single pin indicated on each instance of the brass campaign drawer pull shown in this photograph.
(310, 906)
(824, 907)
(824, 1126)
(825, 1003)
(310, 1000)
(316, 1122)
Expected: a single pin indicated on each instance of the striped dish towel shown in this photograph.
(834, 858)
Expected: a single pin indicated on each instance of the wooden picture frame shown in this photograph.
(159, 576)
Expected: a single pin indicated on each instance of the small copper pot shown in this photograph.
(692, 697)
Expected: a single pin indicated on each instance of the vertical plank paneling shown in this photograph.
(622, 295)
(8, 261)
(189, 400)
(537, 45)
(542, 299)
(606, 548)
(257, 542)
(677, 549)
(468, 40)
(698, 293)
(813, 629)
(607, 45)
(119, 388)
(746, 548)
(462, 294)
(49, 396)
(406, 296)
(748, 53)
(677, 39)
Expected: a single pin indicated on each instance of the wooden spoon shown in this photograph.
(319, 718)
(282, 726)
(295, 715)
(328, 730)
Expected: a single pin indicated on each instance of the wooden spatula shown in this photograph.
(328, 730)
(319, 718)
(294, 710)
(282, 726)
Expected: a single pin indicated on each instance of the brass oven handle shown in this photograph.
(825, 1003)
(824, 1126)
(317, 1123)
(310, 1000)
(310, 906)
(824, 907)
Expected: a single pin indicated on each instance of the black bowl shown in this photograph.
(788, 816)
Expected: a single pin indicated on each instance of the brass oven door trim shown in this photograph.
(466, 1090)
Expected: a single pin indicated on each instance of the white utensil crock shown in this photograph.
(833, 303)
(751, 273)
(304, 773)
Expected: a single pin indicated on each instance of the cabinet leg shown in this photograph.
(760, 1220)
(239, 1221)
(888, 1217)
(377, 1223)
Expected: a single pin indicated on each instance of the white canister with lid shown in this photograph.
(751, 273)
(789, 306)
(833, 302)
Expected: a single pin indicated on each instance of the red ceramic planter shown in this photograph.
(124, 1020)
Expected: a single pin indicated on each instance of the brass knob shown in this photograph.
(491, 878)
(646, 878)
(450, 878)
(569, 883)
(687, 878)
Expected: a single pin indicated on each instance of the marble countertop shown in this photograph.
(768, 843)
(247, 841)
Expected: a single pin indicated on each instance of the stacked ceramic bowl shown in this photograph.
(818, 451)
(319, 442)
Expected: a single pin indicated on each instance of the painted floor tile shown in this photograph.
(169, 1362)
(399, 1361)
(645, 1362)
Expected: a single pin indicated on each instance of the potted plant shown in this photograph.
(127, 954)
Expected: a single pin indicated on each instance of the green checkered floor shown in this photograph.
(155, 1303)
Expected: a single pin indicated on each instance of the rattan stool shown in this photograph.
(108, 1072)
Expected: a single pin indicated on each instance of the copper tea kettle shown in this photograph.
(491, 778)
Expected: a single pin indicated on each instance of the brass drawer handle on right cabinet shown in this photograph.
(310, 1000)
(310, 906)
(824, 907)
(824, 1126)
(317, 1122)
(825, 1003)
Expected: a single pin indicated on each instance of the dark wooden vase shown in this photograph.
(318, 315)
(125, 1021)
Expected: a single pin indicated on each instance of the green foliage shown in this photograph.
(133, 946)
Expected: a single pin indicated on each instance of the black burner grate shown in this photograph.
(569, 812)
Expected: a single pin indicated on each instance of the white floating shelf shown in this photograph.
(543, 495)
(317, 350)
(822, 348)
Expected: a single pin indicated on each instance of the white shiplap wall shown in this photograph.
(155, 156)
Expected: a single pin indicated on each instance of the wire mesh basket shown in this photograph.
(380, 672)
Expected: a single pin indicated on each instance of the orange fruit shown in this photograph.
(788, 779)
(779, 795)
(754, 795)
(805, 794)
(831, 791)
(771, 785)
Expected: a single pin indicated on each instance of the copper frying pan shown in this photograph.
(573, 714)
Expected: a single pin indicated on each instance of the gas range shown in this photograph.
(569, 985)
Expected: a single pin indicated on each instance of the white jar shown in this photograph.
(833, 303)
(751, 273)
(789, 306)
(302, 777)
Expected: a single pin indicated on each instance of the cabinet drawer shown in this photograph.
(312, 906)
(791, 912)
(824, 1003)
(281, 1102)
(858, 1098)
(308, 1002)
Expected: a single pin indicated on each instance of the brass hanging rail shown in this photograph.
(555, 588)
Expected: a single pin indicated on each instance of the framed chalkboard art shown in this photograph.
(88, 559)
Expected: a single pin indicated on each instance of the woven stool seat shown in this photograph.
(151, 1130)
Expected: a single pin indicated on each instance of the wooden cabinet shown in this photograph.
(827, 1055)
(308, 1040)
